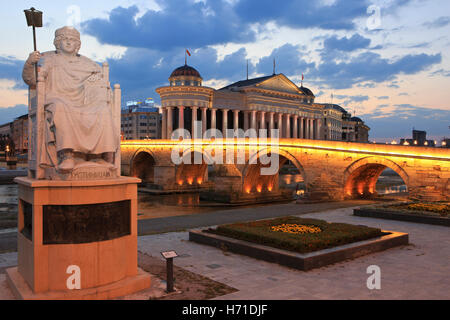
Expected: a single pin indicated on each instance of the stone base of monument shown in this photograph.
(77, 240)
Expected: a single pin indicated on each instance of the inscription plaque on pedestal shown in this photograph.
(71, 224)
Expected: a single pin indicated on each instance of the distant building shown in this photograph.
(6, 129)
(140, 121)
(20, 133)
(339, 125)
(419, 138)
(268, 102)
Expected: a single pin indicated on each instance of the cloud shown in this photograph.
(383, 97)
(438, 23)
(11, 69)
(346, 44)
(303, 13)
(10, 113)
(366, 85)
(419, 45)
(180, 23)
(398, 120)
(369, 66)
(141, 71)
(288, 61)
(351, 99)
(441, 72)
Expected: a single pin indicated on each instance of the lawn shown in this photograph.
(297, 234)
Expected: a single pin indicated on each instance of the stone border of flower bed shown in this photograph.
(382, 213)
(301, 261)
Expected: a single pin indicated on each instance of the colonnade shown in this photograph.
(289, 125)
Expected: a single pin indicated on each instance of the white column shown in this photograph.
(194, 118)
(246, 114)
(164, 123)
(295, 128)
(318, 127)
(306, 128)
(280, 125)
(236, 119)
(224, 121)
(253, 121)
(271, 124)
(311, 129)
(203, 120)
(180, 117)
(169, 123)
(213, 118)
(288, 125)
(262, 119)
(300, 127)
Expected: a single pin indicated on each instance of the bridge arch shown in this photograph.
(251, 175)
(190, 171)
(143, 164)
(361, 176)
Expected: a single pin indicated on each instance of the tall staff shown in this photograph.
(34, 19)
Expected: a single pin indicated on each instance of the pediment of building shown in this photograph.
(279, 83)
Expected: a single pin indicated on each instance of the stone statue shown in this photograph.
(79, 125)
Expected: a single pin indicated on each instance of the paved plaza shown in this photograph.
(417, 271)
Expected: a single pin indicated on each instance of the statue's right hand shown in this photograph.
(34, 57)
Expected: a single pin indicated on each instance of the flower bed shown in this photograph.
(297, 234)
(441, 209)
(436, 213)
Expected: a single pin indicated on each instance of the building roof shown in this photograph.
(306, 91)
(254, 81)
(335, 107)
(248, 82)
(356, 119)
(185, 71)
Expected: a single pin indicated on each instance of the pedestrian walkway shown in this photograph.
(417, 271)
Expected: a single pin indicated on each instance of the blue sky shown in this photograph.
(385, 61)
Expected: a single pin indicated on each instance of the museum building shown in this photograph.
(269, 102)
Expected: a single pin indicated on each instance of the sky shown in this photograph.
(385, 61)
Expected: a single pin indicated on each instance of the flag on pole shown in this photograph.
(303, 77)
(185, 56)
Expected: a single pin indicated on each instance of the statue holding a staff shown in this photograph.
(79, 125)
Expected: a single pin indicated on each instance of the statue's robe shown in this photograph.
(77, 114)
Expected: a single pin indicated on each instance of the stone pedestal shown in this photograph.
(88, 224)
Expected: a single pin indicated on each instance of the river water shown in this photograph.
(155, 206)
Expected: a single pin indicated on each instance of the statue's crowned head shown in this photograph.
(67, 32)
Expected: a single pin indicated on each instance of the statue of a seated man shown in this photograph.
(79, 121)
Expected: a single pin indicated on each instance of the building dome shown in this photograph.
(335, 107)
(356, 119)
(185, 71)
(185, 76)
(306, 91)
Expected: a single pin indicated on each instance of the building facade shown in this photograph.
(270, 102)
(140, 121)
(6, 129)
(419, 139)
(20, 133)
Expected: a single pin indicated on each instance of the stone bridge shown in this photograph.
(331, 169)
